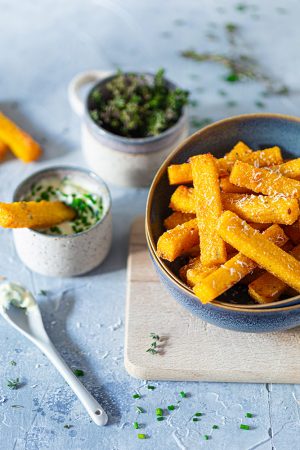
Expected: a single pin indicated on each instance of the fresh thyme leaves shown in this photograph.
(13, 383)
(43, 292)
(134, 106)
(153, 349)
(13, 363)
(67, 426)
(78, 372)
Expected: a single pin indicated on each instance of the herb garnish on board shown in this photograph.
(134, 106)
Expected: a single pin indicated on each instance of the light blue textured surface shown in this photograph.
(42, 45)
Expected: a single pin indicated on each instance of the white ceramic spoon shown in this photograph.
(28, 321)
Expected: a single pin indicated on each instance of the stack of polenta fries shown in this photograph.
(238, 223)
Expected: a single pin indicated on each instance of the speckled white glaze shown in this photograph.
(118, 160)
(65, 256)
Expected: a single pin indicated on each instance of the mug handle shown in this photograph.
(80, 80)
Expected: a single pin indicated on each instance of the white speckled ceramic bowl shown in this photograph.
(119, 160)
(69, 255)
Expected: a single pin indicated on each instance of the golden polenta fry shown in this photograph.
(228, 187)
(264, 181)
(20, 143)
(177, 218)
(262, 209)
(3, 150)
(193, 263)
(34, 214)
(195, 275)
(267, 288)
(183, 200)
(257, 247)
(234, 269)
(208, 209)
(180, 174)
(179, 240)
(290, 169)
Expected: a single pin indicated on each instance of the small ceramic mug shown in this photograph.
(119, 160)
(65, 255)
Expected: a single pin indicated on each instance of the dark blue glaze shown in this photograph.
(258, 131)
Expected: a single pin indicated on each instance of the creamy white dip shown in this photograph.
(88, 205)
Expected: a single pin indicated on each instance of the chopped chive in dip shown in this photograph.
(139, 410)
(215, 427)
(159, 412)
(74, 193)
(171, 407)
(136, 396)
(249, 415)
(160, 418)
(151, 388)
(198, 414)
(182, 394)
(195, 419)
(136, 425)
(205, 437)
(244, 427)
(141, 436)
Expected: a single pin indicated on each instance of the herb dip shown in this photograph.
(88, 205)
(17, 295)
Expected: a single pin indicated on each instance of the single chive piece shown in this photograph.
(13, 384)
(136, 396)
(182, 394)
(171, 407)
(154, 336)
(68, 426)
(135, 425)
(195, 419)
(151, 388)
(215, 427)
(244, 427)
(205, 437)
(78, 372)
(198, 414)
(141, 436)
(139, 410)
(159, 412)
(13, 363)
(160, 418)
(249, 415)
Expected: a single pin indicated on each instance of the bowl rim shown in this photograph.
(161, 171)
(103, 132)
(70, 168)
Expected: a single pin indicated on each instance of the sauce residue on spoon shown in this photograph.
(16, 295)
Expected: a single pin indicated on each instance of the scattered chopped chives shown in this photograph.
(160, 418)
(13, 363)
(182, 394)
(244, 427)
(135, 425)
(205, 437)
(249, 415)
(195, 419)
(198, 414)
(171, 407)
(139, 410)
(78, 372)
(215, 427)
(151, 388)
(141, 436)
(136, 396)
(159, 412)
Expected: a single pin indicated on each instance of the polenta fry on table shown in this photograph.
(208, 198)
(234, 269)
(20, 143)
(32, 214)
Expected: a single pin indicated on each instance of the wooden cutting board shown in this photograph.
(193, 349)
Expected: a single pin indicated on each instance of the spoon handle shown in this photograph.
(94, 409)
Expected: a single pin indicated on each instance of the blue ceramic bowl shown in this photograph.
(258, 131)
